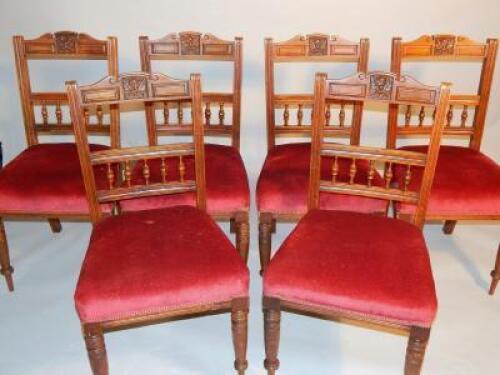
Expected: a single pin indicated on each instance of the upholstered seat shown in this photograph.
(466, 182)
(371, 266)
(227, 183)
(283, 183)
(153, 261)
(46, 178)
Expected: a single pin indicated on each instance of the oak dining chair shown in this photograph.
(467, 182)
(352, 266)
(282, 185)
(157, 265)
(44, 181)
(228, 193)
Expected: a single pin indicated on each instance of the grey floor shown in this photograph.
(39, 331)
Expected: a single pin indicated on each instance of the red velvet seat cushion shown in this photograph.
(356, 263)
(226, 182)
(466, 182)
(147, 262)
(46, 178)
(283, 183)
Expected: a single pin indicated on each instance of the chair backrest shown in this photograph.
(311, 48)
(61, 45)
(458, 119)
(119, 162)
(190, 45)
(385, 87)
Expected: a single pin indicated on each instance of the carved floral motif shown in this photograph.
(444, 45)
(65, 41)
(190, 44)
(134, 87)
(381, 86)
(318, 45)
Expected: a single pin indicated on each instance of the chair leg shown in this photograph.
(55, 225)
(5, 268)
(242, 234)
(495, 274)
(272, 321)
(232, 225)
(449, 226)
(96, 349)
(265, 233)
(415, 350)
(239, 327)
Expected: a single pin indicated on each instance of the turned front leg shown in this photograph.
(415, 351)
(96, 349)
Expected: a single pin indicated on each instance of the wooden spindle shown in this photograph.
(111, 177)
(182, 169)
(163, 171)
(335, 169)
(371, 173)
(464, 116)
(86, 116)
(407, 178)
(100, 115)
(58, 113)
(300, 115)
(180, 113)
(352, 171)
(128, 173)
(146, 172)
(45, 114)
(286, 115)
(208, 113)
(222, 114)
(408, 115)
(421, 116)
(342, 115)
(388, 175)
(449, 116)
(166, 113)
(434, 114)
(328, 114)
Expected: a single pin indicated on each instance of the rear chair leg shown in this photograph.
(96, 349)
(449, 226)
(239, 327)
(495, 274)
(415, 350)
(265, 233)
(272, 321)
(242, 228)
(55, 225)
(5, 268)
(232, 225)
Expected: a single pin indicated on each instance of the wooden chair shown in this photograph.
(228, 193)
(178, 263)
(356, 266)
(467, 182)
(282, 185)
(44, 181)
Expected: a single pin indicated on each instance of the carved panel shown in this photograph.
(444, 44)
(65, 41)
(134, 87)
(190, 43)
(380, 86)
(318, 45)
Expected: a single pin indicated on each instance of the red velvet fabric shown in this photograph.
(359, 263)
(46, 178)
(466, 182)
(226, 182)
(147, 262)
(283, 183)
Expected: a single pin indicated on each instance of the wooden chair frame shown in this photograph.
(310, 48)
(191, 45)
(61, 45)
(378, 86)
(447, 48)
(147, 88)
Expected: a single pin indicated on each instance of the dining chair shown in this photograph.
(281, 193)
(44, 181)
(157, 265)
(352, 266)
(228, 193)
(467, 182)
